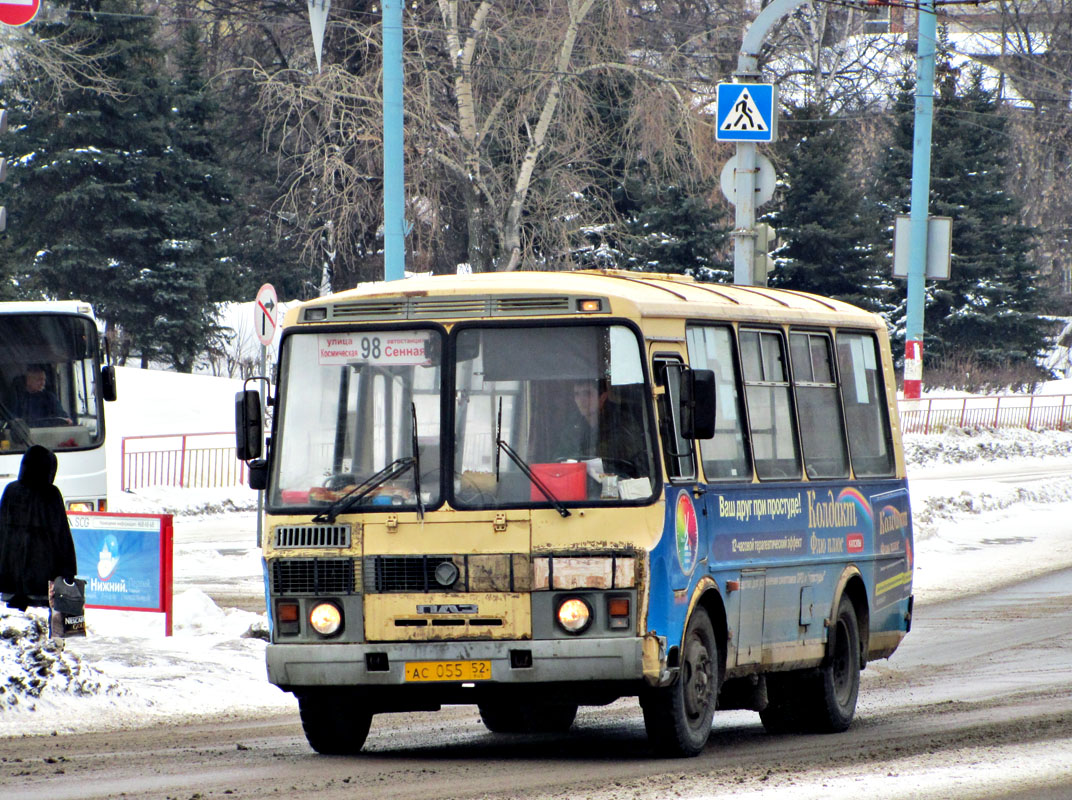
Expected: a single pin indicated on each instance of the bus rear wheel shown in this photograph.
(678, 717)
(527, 717)
(821, 700)
(334, 725)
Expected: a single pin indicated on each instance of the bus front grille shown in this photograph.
(411, 574)
(314, 576)
(312, 536)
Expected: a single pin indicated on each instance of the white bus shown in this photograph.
(52, 385)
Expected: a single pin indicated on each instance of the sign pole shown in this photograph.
(921, 181)
(744, 234)
(265, 317)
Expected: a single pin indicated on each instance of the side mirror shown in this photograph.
(249, 429)
(109, 391)
(698, 403)
(258, 474)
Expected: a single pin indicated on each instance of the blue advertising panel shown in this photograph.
(124, 559)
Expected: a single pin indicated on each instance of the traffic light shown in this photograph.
(762, 263)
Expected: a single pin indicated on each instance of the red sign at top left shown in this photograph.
(18, 12)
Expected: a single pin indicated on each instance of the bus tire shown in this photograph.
(678, 717)
(333, 725)
(528, 717)
(821, 700)
(839, 675)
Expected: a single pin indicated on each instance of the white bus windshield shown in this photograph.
(48, 382)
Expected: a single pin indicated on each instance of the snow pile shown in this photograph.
(184, 502)
(214, 660)
(941, 501)
(35, 669)
(957, 445)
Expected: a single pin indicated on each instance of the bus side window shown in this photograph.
(724, 456)
(864, 397)
(822, 434)
(677, 450)
(770, 412)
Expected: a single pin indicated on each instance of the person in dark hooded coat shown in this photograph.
(36, 545)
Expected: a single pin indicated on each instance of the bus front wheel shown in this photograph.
(334, 725)
(678, 717)
(820, 700)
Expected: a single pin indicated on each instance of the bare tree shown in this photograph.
(506, 130)
(1033, 48)
(52, 64)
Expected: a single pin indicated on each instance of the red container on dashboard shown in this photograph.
(564, 481)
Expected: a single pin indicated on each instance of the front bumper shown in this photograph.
(298, 666)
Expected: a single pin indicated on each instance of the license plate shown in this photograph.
(448, 671)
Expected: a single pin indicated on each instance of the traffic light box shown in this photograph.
(762, 262)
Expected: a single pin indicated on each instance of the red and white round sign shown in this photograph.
(265, 313)
(18, 12)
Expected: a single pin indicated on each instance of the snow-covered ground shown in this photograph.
(970, 535)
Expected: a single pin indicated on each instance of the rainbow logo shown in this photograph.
(863, 506)
(687, 533)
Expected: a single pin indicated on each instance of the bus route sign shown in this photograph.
(18, 12)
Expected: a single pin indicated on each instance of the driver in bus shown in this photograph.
(37, 405)
(602, 428)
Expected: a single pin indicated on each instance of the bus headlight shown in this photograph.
(326, 619)
(574, 615)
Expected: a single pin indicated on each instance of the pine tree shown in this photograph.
(988, 309)
(821, 221)
(113, 199)
(672, 230)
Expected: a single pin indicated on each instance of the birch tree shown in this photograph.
(507, 153)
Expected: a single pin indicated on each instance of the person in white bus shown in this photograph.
(35, 404)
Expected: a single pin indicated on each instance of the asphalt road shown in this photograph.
(976, 704)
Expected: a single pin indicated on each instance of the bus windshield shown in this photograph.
(565, 403)
(370, 401)
(49, 395)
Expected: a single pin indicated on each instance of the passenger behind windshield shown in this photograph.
(34, 403)
(602, 427)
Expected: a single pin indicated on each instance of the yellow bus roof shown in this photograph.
(648, 294)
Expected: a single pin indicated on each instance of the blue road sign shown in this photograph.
(747, 112)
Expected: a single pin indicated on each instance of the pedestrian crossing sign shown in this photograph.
(747, 112)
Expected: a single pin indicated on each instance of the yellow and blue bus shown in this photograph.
(535, 491)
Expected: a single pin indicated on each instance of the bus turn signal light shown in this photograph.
(286, 615)
(618, 612)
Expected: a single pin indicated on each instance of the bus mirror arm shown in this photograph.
(697, 403)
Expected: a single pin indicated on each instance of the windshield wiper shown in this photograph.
(525, 468)
(365, 488)
(416, 463)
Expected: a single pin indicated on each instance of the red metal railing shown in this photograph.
(190, 460)
(1035, 411)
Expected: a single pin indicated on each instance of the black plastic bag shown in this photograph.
(68, 604)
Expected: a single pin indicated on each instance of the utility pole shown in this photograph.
(927, 29)
(394, 187)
